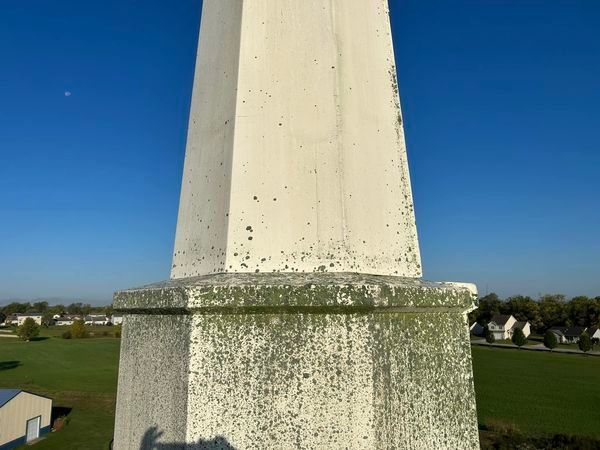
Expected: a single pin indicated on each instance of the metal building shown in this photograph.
(24, 417)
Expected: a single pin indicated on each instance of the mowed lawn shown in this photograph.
(79, 373)
(538, 392)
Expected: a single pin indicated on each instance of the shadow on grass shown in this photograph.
(39, 338)
(59, 411)
(7, 365)
(150, 442)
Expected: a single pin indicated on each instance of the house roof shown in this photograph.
(592, 330)
(520, 325)
(95, 317)
(568, 331)
(7, 395)
(32, 314)
(500, 319)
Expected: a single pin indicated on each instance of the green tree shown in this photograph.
(487, 306)
(78, 330)
(47, 319)
(489, 336)
(57, 309)
(581, 311)
(15, 308)
(552, 311)
(28, 330)
(550, 340)
(40, 307)
(75, 308)
(584, 343)
(518, 338)
(523, 308)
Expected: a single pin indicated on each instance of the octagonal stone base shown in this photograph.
(285, 361)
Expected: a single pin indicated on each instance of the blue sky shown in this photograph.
(501, 108)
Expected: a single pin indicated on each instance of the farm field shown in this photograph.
(77, 374)
(537, 393)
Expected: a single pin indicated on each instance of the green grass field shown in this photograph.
(537, 392)
(78, 374)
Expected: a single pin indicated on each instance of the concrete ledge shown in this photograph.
(244, 293)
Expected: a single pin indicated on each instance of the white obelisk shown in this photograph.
(295, 316)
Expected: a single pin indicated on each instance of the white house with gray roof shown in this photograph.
(503, 326)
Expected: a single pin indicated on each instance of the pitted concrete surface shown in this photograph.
(153, 378)
(295, 317)
(311, 381)
(244, 292)
(304, 381)
(389, 366)
(296, 160)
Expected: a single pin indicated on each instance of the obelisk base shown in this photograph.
(305, 361)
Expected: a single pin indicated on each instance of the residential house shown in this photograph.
(37, 317)
(567, 335)
(24, 417)
(11, 319)
(476, 329)
(503, 326)
(96, 319)
(116, 319)
(524, 326)
(594, 332)
(67, 320)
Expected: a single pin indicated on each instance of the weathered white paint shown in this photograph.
(17, 411)
(342, 361)
(296, 158)
(296, 162)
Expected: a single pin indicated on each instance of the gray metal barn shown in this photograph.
(24, 417)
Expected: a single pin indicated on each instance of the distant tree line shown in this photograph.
(48, 311)
(543, 313)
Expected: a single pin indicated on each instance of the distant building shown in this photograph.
(96, 319)
(524, 326)
(503, 326)
(24, 417)
(594, 332)
(116, 319)
(37, 317)
(10, 319)
(567, 335)
(67, 320)
(476, 329)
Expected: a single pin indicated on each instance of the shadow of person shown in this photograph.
(152, 436)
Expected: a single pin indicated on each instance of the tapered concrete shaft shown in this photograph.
(295, 158)
(295, 316)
